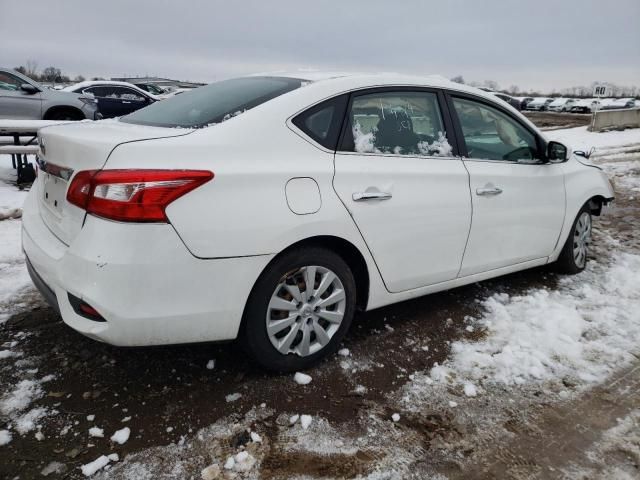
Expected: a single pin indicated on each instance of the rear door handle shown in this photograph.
(362, 196)
(488, 191)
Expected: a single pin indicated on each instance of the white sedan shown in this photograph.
(271, 209)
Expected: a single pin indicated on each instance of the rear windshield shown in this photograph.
(213, 103)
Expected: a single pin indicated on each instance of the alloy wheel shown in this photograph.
(581, 239)
(305, 311)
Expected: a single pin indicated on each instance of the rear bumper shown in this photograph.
(46, 291)
(141, 279)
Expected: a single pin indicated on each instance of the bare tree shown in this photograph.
(79, 78)
(51, 74)
(31, 70)
(492, 84)
(514, 89)
(458, 79)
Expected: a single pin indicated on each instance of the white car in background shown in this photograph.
(561, 104)
(585, 105)
(270, 209)
(539, 104)
(620, 103)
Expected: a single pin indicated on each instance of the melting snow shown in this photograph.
(302, 378)
(5, 437)
(121, 436)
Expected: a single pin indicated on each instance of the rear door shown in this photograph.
(400, 179)
(518, 199)
(108, 104)
(130, 100)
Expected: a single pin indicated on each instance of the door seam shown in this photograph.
(466, 244)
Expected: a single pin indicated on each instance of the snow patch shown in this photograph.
(584, 329)
(121, 436)
(5, 437)
(302, 378)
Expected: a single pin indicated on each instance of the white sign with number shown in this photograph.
(601, 91)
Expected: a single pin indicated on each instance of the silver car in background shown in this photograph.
(24, 99)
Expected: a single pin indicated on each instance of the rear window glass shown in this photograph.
(323, 122)
(213, 103)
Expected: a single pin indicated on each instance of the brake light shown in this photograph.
(132, 195)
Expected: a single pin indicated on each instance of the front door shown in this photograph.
(15, 103)
(518, 200)
(405, 189)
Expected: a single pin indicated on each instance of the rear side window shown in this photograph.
(400, 123)
(322, 122)
(213, 103)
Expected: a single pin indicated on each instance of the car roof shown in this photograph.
(91, 83)
(353, 80)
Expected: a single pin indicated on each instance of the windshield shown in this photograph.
(213, 103)
(151, 88)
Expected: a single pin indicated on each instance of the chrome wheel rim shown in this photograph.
(582, 239)
(305, 311)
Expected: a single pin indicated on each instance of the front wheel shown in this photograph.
(573, 258)
(299, 310)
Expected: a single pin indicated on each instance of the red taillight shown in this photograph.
(132, 195)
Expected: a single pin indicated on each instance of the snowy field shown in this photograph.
(529, 376)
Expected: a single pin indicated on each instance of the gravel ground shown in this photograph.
(186, 413)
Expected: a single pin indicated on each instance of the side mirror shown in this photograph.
(557, 152)
(30, 89)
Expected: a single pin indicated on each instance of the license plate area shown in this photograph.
(53, 193)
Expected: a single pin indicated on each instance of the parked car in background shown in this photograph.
(524, 101)
(509, 99)
(158, 92)
(561, 105)
(619, 103)
(539, 104)
(584, 105)
(282, 205)
(25, 99)
(151, 88)
(115, 99)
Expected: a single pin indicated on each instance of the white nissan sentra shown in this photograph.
(271, 208)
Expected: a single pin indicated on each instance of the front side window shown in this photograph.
(490, 134)
(9, 82)
(400, 123)
(213, 103)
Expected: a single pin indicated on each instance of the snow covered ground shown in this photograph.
(520, 355)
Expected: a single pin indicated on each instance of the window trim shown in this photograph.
(540, 143)
(442, 105)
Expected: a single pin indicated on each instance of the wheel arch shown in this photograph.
(345, 249)
(596, 203)
(62, 108)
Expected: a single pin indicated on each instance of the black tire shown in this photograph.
(566, 262)
(253, 332)
(65, 114)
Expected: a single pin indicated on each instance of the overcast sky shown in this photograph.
(532, 43)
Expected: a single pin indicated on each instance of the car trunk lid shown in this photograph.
(68, 149)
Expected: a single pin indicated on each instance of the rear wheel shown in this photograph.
(65, 114)
(573, 258)
(299, 310)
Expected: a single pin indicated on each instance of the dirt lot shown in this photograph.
(183, 416)
(553, 120)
